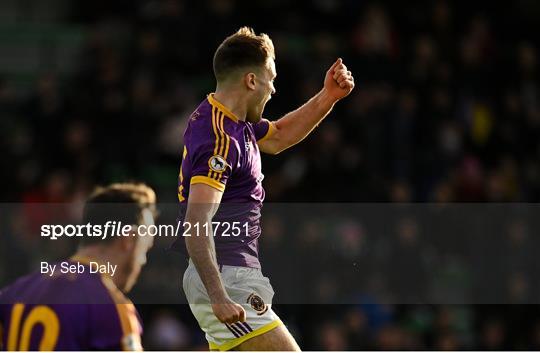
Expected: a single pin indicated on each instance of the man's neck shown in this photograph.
(91, 253)
(232, 100)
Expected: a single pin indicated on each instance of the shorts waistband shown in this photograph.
(222, 267)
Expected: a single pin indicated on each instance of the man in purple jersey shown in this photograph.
(220, 184)
(84, 310)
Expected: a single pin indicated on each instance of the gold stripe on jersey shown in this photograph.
(221, 134)
(227, 145)
(215, 126)
(216, 144)
(226, 142)
(222, 141)
(222, 137)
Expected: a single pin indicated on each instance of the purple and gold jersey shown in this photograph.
(67, 312)
(221, 151)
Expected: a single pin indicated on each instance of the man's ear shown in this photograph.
(249, 80)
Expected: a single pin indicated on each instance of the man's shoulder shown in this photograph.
(203, 110)
(207, 126)
(200, 120)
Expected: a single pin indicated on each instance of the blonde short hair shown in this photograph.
(240, 50)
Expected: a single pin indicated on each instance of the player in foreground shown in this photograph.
(221, 166)
(85, 311)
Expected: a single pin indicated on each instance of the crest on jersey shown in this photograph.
(257, 304)
(217, 163)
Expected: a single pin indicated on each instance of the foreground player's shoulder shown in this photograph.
(23, 288)
(117, 325)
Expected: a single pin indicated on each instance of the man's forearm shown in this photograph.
(201, 250)
(296, 125)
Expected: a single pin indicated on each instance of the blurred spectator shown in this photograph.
(332, 337)
(167, 333)
(493, 336)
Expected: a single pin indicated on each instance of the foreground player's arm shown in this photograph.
(203, 203)
(296, 125)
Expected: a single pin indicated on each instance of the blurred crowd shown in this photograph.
(446, 106)
(373, 327)
(446, 109)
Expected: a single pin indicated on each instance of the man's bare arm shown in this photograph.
(203, 203)
(296, 125)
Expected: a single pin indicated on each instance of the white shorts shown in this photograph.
(245, 286)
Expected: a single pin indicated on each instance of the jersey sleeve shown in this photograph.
(213, 159)
(263, 129)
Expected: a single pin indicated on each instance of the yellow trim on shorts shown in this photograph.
(201, 179)
(236, 341)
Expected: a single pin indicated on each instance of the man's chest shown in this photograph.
(249, 161)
